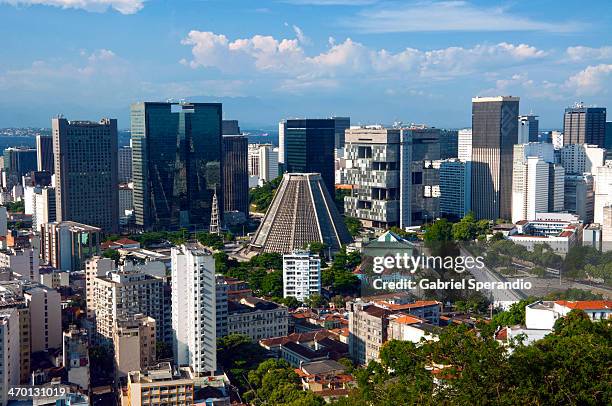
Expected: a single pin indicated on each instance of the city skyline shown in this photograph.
(415, 61)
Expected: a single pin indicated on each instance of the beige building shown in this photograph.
(257, 318)
(120, 294)
(10, 300)
(367, 330)
(67, 245)
(23, 261)
(94, 267)
(45, 317)
(9, 351)
(134, 341)
(159, 385)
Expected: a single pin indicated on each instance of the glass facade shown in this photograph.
(309, 147)
(176, 163)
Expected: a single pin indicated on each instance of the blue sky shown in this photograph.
(376, 60)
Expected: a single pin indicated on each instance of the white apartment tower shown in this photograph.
(464, 149)
(194, 321)
(603, 190)
(301, 275)
(581, 158)
(537, 183)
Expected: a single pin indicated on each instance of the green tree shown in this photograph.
(237, 354)
(112, 254)
(315, 301)
(353, 225)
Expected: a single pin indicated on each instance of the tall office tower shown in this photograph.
(579, 196)
(373, 162)
(423, 184)
(302, 212)
(268, 163)
(282, 127)
(134, 343)
(235, 178)
(86, 172)
(449, 144)
(195, 341)
(253, 161)
(44, 154)
(67, 245)
(608, 140)
(230, 127)
(309, 148)
(603, 190)
(581, 158)
(464, 145)
(584, 125)
(9, 352)
(301, 275)
(44, 207)
(455, 188)
(176, 163)
(19, 161)
(76, 356)
(124, 158)
(124, 293)
(341, 124)
(537, 182)
(528, 129)
(126, 202)
(494, 133)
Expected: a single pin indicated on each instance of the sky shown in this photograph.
(377, 61)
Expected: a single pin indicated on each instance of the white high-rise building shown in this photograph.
(44, 207)
(537, 183)
(281, 141)
(263, 162)
(301, 275)
(464, 149)
(603, 190)
(194, 323)
(581, 158)
(557, 139)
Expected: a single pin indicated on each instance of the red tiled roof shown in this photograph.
(502, 334)
(586, 304)
(407, 320)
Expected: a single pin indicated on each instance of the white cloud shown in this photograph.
(590, 81)
(122, 6)
(580, 53)
(285, 57)
(91, 70)
(429, 16)
(304, 40)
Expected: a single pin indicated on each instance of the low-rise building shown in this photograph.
(561, 231)
(76, 357)
(257, 318)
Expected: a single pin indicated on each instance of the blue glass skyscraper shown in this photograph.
(176, 161)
